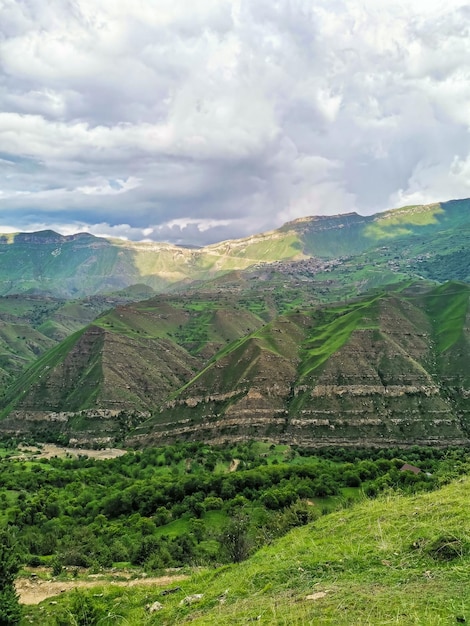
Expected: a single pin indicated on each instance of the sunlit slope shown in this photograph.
(397, 559)
(430, 241)
(391, 367)
(78, 265)
(352, 233)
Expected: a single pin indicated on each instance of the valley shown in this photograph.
(328, 331)
(275, 428)
(390, 367)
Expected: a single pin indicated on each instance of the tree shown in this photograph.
(10, 610)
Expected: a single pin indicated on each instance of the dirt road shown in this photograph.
(33, 591)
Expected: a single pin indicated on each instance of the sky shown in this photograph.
(195, 122)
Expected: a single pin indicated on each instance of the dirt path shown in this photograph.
(48, 450)
(35, 591)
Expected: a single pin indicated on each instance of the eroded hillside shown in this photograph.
(389, 368)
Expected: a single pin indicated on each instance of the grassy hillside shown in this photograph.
(396, 559)
(410, 241)
(400, 560)
(128, 361)
(389, 367)
(32, 324)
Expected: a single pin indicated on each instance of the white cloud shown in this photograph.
(213, 119)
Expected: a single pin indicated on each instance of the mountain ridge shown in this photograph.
(83, 264)
(254, 337)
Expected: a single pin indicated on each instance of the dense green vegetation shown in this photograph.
(363, 545)
(10, 610)
(167, 507)
(197, 505)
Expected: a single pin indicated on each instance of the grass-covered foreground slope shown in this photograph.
(428, 241)
(393, 560)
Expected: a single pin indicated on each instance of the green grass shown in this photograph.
(393, 560)
(330, 335)
(401, 222)
(213, 520)
(448, 306)
(34, 373)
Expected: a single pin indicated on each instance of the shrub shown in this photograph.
(10, 610)
(234, 538)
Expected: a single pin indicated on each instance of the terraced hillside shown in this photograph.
(103, 378)
(31, 324)
(389, 368)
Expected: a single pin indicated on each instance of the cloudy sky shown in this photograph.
(194, 122)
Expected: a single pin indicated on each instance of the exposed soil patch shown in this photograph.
(234, 465)
(48, 450)
(35, 591)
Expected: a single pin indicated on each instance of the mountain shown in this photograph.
(387, 369)
(391, 368)
(412, 241)
(326, 331)
(31, 324)
(126, 362)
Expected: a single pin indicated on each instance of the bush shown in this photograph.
(34, 561)
(81, 611)
(10, 609)
(234, 538)
(57, 567)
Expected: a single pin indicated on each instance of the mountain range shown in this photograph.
(328, 331)
(81, 265)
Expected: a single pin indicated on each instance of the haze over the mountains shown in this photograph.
(207, 121)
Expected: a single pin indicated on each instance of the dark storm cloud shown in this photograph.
(196, 122)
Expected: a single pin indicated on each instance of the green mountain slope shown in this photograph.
(31, 324)
(127, 362)
(412, 241)
(388, 368)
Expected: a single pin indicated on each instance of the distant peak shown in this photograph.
(322, 218)
(45, 237)
(41, 236)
